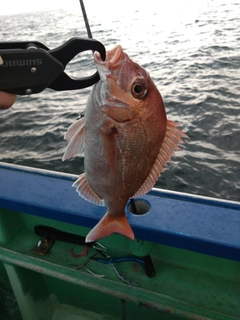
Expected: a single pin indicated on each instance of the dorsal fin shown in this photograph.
(170, 143)
(86, 192)
(75, 136)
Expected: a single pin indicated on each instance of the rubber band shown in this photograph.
(79, 255)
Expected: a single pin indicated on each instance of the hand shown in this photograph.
(6, 100)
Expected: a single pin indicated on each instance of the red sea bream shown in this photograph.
(126, 139)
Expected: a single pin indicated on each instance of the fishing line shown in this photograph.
(89, 36)
(14, 127)
(12, 116)
(85, 19)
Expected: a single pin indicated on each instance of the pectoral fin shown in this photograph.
(75, 136)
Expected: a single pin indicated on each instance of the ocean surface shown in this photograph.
(191, 50)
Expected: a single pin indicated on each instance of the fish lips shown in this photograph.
(113, 61)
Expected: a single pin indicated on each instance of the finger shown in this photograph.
(6, 100)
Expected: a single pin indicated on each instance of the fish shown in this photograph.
(126, 140)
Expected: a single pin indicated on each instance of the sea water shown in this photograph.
(191, 50)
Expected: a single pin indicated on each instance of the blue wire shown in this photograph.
(124, 259)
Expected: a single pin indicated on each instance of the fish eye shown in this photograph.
(139, 89)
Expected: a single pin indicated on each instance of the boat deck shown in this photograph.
(194, 244)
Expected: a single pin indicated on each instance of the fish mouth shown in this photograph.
(113, 61)
(112, 57)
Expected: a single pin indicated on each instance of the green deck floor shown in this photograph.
(187, 285)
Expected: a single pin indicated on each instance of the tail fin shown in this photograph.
(108, 225)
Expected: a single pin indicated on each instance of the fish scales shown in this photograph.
(116, 155)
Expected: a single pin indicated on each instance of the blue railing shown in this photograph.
(196, 223)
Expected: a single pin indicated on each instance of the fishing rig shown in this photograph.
(49, 235)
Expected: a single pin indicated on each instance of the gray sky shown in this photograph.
(16, 6)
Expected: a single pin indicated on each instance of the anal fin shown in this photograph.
(86, 192)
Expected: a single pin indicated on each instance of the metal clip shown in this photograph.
(100, 248)
(43, 246)
(83, 266)
(109, 260)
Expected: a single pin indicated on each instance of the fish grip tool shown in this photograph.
(30, 67)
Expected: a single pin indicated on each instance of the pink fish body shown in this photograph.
(126, 139)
